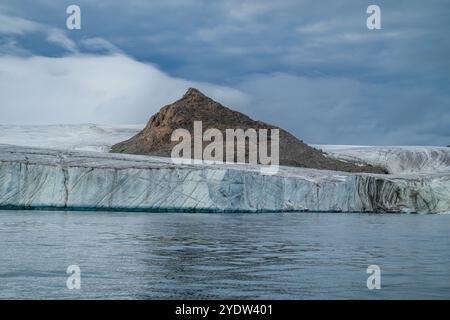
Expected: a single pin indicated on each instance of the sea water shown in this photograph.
(223, 256)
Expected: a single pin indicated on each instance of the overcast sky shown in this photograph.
(311, 67)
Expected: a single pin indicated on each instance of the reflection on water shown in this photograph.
(220, 256)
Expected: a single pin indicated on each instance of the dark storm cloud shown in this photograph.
(310, 66)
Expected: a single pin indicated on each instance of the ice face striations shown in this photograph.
(42, 178)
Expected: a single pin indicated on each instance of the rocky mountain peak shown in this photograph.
(155, 138)
(193, 93)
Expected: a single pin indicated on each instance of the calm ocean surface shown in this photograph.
(223, 256)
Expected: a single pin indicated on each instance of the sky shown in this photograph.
(311, 67)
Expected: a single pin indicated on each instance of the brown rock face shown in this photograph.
(155, 138)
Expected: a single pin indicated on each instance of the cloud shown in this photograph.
(333, 80)
(17, 25)
(116, 89)
(10, 46)
(59, 37)
(112, 89)
(348, 111)
(100, 45)
(249, 10)
(317, 27)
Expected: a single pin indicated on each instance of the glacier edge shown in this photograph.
(37, 178)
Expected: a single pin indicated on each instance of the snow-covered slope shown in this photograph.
(398, 159)
(89, 137)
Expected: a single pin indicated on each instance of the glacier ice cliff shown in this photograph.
(34, 178)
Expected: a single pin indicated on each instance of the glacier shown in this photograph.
(84, 137)
(395, 159)
(44, 178)
(68, 167)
